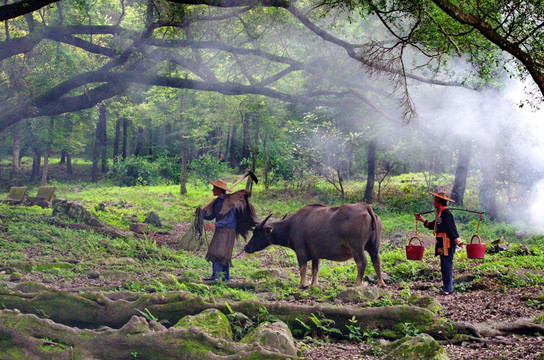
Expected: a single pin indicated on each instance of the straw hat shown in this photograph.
(220, 184)
(442, 195)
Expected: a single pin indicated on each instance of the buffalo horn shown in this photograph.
(264, 222)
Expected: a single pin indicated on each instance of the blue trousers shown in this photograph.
(220, 271)
(446, 267)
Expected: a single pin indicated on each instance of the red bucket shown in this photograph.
(476, 251)
(415, 252)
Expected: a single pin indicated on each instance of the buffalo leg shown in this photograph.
(360, 260)
(377, 263)
(315, 271)
(303, 267)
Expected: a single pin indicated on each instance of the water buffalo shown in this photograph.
(319, 232)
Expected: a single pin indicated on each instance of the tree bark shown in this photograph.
(16, 153)
(233, 159)
(461, 171)
(117, 140)
(139, 141)
(36, 160)
(489, 173)
(371, 171)
(245, 136)
(183, 175)
(47, 153)
(103, 138)
(125, 138)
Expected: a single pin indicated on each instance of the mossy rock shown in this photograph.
(274, 336)
(211, 321)
(361, 294)
(113, 275)
(426, 302)
(30, 287)
(420, 347)
(269, 274)
(122, 261)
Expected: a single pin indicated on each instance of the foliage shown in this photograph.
(134, 171)
(207, 168)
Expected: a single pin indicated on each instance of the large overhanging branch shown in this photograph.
(55, 103)
(351, 51)
(21, 8)
(532, 66)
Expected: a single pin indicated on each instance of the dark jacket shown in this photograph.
(445, 231)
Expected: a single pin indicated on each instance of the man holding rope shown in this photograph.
(234, 215)
(447, 237)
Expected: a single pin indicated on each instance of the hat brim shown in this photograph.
(219, 185)
(440, 196)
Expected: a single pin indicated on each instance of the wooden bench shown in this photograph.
(16, 195)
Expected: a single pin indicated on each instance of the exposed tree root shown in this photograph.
(25, 336)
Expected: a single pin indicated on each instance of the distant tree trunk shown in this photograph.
(103, 137)
(245, 136)
(487, 191)
(62, 157)
(183, 175)
(125, 138)
(69, 168)
(371, 171)
(45, 170)
(139, 141)
(234, 161)
(117, 140)
(98, 142)
(249, 183)
(36, 160)
(461, 171)
(16, 152)
(149, 139)
(265, 162)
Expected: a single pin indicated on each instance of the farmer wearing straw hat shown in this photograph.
(447, 237)
(234, 215)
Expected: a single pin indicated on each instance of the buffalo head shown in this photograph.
(260, 238)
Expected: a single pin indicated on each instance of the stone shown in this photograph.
(139, 228)
(273, 336)
(46, 193)
(75, 211)
(361, 294)
(269, 274)
(153, 219)
(420, 347)
(210, 321)
(426, 302)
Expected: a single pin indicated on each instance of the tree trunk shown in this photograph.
(36, 160)
(62, 157)
(245, 136)
(117, 140)
(234, 161)
(139, 141)
(69, 168)
(461, 172)
(487, 191)
(103, 138)
(16, 153)
(371, 171)
(149, 139)
(265, 163)
(125, 138)
(47, 153)
(183, 175)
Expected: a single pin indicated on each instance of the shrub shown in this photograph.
(207, 167)
(134, 171)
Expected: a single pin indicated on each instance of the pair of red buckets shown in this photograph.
(474, 250)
